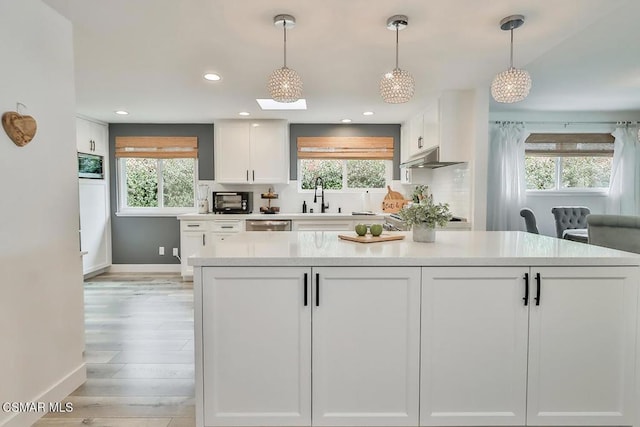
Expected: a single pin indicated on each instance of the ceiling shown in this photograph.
(148, 56)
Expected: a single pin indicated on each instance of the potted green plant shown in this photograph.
(424, 215)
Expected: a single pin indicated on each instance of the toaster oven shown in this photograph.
(232, 202)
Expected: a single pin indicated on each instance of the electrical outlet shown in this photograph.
(175, 252)
(161, 250)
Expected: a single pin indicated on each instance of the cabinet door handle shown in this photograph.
(406, 175)
(419, 142)
(226, 226)
(538, 288)
(526, 289)
(317, 289)
(253, 175)
(306, 290)
(204, 242)
(193, 225)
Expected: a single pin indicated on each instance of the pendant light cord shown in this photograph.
(511, 54)
(284, 27)
(397, 24)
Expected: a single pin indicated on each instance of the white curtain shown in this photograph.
(506, 190)
(624, 187)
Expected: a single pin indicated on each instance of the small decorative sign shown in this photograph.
(21, 129)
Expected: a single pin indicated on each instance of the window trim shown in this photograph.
(125, 211)
(388, 178)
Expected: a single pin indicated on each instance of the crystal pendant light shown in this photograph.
(397, 86)
(512, 85)
(285, 84)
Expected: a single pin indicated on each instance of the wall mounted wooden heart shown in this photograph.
(21, 129)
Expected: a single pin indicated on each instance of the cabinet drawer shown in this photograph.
(227, 226)
(193, 225)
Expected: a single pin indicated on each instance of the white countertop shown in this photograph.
(452, 248)
(328, 215)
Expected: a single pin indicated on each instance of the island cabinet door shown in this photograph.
(366, 332)
(582, 346)
(474, 346)
(256, 335)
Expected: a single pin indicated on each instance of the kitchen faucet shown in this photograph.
(320, 182)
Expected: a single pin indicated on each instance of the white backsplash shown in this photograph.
(290, 199)
(450, 184)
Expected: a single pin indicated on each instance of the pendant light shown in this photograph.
(397, 86)
(285, 84)
(512, 85)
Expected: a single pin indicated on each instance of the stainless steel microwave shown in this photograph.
(90, 166)
(232, 202)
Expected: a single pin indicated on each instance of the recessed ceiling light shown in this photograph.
(122, 112)
(244, 113)
(346, 120)
(212, 76)
(368, 113)
(270, 104)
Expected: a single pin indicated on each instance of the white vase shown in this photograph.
(424, 233)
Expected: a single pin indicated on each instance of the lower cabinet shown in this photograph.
(95, 225)
(562, 353)
(256, 347)
(412, 346)
(366, 344)
(474, 347)
(256, 331)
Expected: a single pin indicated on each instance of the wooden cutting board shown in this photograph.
(368, 238)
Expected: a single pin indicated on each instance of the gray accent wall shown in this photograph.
(135, 240)
(297, 130)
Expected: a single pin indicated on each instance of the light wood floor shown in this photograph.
(139, 354)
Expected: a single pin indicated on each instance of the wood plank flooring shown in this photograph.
(139, 354)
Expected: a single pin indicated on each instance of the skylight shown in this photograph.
(270, 104)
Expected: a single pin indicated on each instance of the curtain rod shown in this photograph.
(565, 123)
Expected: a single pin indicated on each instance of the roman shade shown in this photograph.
(157, 147)
(569, 144)
(349, 148)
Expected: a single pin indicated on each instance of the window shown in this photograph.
(568, 161)
(156, 175)
(348, 163)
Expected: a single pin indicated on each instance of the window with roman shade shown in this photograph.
(346, 148)
(345, 163)
(156, 174)
(565, 161)
(157, 147)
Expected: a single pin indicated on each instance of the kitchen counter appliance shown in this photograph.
(268, 225)
(232, 202)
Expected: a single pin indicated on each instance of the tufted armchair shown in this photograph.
(569, 217)
(615, 231)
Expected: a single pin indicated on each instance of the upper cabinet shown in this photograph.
(446, 123)
(251, 151)
(92, 137)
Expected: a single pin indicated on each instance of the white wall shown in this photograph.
(41, 303)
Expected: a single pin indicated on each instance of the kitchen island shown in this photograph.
(478, 328)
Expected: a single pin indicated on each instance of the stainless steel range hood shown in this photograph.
(429, 160)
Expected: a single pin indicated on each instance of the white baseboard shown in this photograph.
(144, 268)
(57, 393)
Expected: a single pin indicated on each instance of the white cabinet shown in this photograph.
(366, 331)
(197, 235)
(579, 325)
(95, 224)
(252, 151)
(193, 238)
(256, 361)
(92, 137)
(474, 347)
(322, 225)
(581, 346)
(259, 331)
